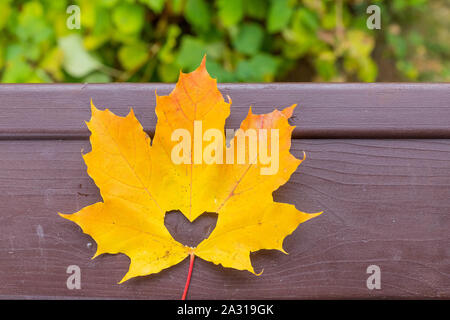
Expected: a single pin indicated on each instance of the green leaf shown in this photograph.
(256, 9)
(408, 69)
(108, 3)
(156, 5)
(261, 67)
(168, 72)
(216, 50)
(244, 72)
(166, 53)
(231, 12)
(17, 71)
(2, 56)
(102, 22)
(129, 18)
(133, 56)
(14, 51)
(328, 21)
(368, 70)
(325, 65)
(101, 31)
(217, 71)
(399, 45)
(360, 44)
(22, 50)
(77, 61)
(97, 77)
(249, 38)
(177, 6)
(198, 14)
(191, 53)
(5, 12)
(306, 18)
(88, 13)
(52, 63)
(31, 25)
(280, 13)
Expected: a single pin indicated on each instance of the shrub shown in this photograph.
(245, 40)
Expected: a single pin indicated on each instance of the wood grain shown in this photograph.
(386, 203)
(58, 111)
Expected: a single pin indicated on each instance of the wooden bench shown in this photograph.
(378, 164)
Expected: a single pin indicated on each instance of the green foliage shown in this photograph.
(198, 14)
(245, 40)
(128, 18)
(279, 15)
(230, 12)
(76, 60)
(248, 38)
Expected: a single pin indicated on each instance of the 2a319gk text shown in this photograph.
(245, 309)
(226, 310)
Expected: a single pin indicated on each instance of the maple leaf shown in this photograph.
(139, 182)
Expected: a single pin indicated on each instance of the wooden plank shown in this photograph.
(386, 203)
(326, 110)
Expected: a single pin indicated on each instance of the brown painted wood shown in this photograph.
(386, 203)
(32, 111)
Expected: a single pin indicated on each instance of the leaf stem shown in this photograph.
(188, 280)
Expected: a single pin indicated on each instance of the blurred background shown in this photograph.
(245, 40)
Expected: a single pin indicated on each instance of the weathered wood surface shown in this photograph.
(325, 110)
(386, 201)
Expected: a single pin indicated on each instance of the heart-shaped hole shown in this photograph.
(190, 233)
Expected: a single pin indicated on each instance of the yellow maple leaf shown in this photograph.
(139, 180)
